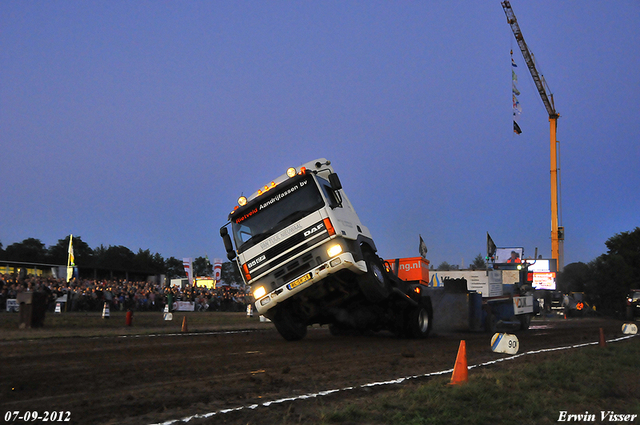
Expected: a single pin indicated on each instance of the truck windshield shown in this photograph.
(275, 211)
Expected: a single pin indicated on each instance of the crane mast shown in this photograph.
(557, 232)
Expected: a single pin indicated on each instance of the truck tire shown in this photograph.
(290, 327)
(417, 322)
(374, 284)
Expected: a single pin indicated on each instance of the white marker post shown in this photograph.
(106, 313)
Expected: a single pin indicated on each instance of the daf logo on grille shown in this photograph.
(313, 230)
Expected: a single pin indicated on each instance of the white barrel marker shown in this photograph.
(504, 343)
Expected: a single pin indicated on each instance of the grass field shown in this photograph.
(535, 389)
(92, 324)
(586, 381)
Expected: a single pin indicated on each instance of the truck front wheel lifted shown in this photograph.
(289, 326)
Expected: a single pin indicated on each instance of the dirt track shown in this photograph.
(151, 379)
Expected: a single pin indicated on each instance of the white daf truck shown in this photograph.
(309, 260)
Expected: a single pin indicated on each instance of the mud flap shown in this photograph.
(374, 283)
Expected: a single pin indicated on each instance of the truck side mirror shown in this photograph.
(334, 181)
(228, 246)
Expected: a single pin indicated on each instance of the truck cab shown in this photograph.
(303, 250)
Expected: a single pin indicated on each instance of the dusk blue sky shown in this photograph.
(140, 123)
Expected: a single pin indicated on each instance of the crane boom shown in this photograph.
(528, 59)
(557, 232)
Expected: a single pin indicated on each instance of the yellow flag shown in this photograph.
(71, 260)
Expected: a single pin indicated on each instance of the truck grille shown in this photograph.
(289, 258)
(294, 268)
(285, 271)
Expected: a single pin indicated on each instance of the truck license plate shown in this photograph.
(299, 281)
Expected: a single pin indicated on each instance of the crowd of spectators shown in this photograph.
(121, 295)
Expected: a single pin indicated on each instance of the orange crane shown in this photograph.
(557, 232)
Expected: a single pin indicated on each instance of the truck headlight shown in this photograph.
(260, 292)
(334, 250)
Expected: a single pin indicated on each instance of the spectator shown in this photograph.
(90, 295)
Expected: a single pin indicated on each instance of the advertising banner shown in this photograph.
(12, 305)
(544, 281)
(184, 305)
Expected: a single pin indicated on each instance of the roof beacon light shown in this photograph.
(242, 201)
(266, 188)
(291, 172)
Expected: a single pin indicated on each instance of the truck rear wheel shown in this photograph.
(418, 322)
(374, 284)
(289, 326)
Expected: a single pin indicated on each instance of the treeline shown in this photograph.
(112, 258)
(607, 280)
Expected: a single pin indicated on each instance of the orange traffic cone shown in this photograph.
(184, 324)
(460, 372)
(603, 342)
